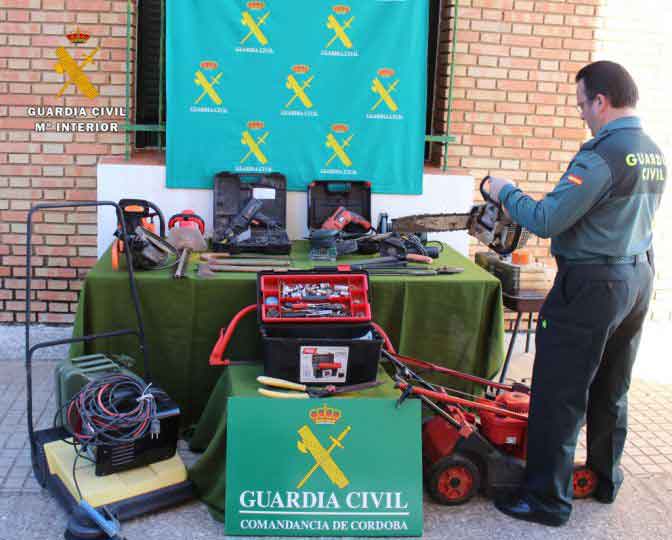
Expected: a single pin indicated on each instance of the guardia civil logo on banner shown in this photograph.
(346, 467)
(208, 86)
(340, 88)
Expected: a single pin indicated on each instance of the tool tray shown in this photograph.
(310, 290)
(231, 192)
(325, 196)
(341, 347)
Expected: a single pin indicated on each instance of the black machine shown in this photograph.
(250, 213)
(157, 444)
(472, 443)
(147, 247)
(91, 521)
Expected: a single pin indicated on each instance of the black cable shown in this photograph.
(167, 265)
(74, 473)
(415, 242)
(114, 410)
(440, 244)
(58, 412)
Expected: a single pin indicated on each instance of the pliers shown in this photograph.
(302, 391)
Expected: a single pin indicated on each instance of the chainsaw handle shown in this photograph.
(518, 232)
(217, 354)
(147, 206)
(486, 194)
(162, 220)
(185, 219)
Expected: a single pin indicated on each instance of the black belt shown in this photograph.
(630, 259)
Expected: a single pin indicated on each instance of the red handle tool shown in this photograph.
(187, 218)
(342, 216)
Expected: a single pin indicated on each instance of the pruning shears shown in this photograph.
(302, 391)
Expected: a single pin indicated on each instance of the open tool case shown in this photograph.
(326, 196)
(232, 191)
(316, 327)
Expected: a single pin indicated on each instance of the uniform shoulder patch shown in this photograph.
(576, 180)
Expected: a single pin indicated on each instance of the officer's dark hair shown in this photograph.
(611, 80)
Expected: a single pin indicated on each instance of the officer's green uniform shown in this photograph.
(599, 217)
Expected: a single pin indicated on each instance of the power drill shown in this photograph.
(341, 217)
(242, 220)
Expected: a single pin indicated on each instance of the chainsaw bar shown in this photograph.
(431, 223)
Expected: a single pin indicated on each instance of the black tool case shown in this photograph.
(232, 191)
(339, 348)
(325, 196)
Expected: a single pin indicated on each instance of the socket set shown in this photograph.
(315, 297)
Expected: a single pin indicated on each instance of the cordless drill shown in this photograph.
(242, 220)
(341, 217)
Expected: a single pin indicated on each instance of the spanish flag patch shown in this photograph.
(575, 179)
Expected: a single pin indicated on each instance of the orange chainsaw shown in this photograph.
(149, 251)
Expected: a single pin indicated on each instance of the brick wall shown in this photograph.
(514, 109)
(640, 39)
(51, 166)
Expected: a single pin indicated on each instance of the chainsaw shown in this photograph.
(149, 250)
(486, 222)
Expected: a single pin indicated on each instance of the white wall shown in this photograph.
(441, 193)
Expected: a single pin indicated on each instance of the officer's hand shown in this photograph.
(496, 185)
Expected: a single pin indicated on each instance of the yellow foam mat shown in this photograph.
(100, 490)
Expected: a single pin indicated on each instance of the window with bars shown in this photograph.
(150, 97)
(150, 75)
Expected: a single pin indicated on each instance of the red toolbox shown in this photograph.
(316, 327)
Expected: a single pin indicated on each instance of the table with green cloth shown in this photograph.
(209, 473)
(452, 320)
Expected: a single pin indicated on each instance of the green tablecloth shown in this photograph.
(452, 320)
(209, 472)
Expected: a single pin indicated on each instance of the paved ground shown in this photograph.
(642, 510)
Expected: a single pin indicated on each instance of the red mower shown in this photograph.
(476, 444)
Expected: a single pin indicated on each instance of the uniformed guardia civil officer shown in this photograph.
(599, 218)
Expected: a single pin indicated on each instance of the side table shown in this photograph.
(524, 302)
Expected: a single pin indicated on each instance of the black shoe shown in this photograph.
(603, 497)
(520, 508)
(606, 492)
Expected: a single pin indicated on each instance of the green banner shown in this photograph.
(347, 467)
(313, 90)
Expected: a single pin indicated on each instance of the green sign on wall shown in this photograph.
(312, 90)
(347, 467)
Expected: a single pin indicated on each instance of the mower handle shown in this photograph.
(29, 351)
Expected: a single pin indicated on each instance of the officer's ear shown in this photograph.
(602, 101)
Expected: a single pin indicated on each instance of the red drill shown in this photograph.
(341, 217)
